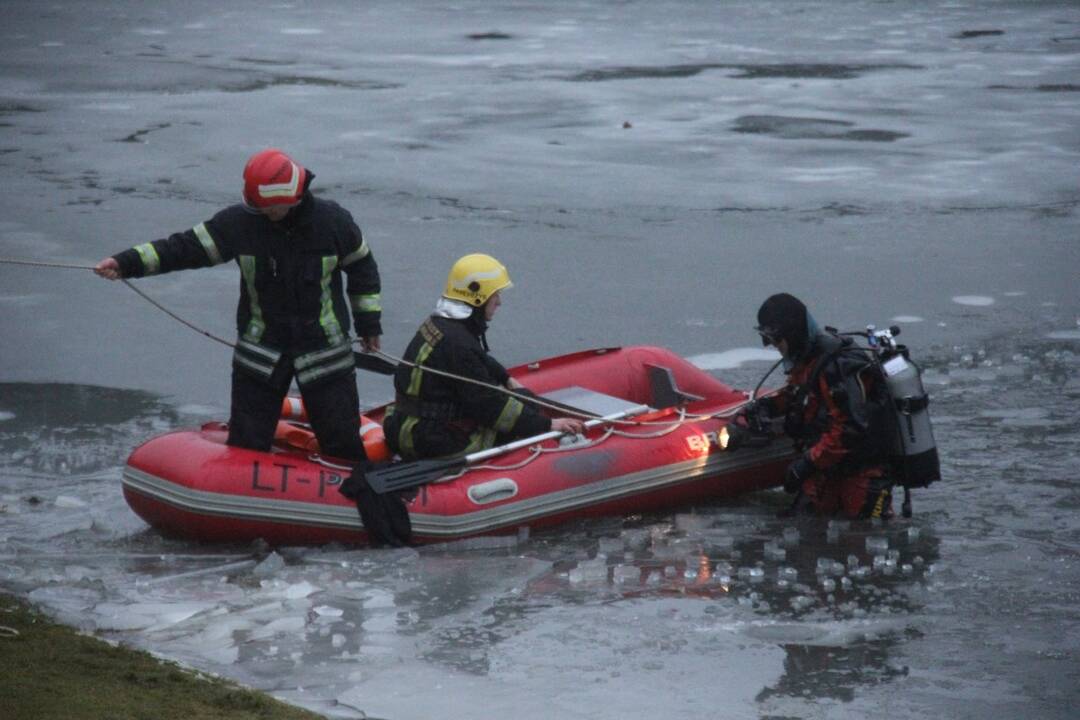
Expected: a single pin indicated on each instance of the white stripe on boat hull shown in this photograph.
(481, 520)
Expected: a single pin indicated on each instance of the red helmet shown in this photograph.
(271, 178)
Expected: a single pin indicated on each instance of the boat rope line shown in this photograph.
(537, 450)
(562, 409)
(673, 424)
(137, 291)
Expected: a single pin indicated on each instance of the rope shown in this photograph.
(561, 409)
(683, 417)
(137, 291)
(176, 317)
(39, 263)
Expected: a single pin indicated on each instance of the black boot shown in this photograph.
(384, 516)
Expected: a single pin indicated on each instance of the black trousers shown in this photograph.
(332, 404)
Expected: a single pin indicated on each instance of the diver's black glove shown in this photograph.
(385, 518)
(796, 473)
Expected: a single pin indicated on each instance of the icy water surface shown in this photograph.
(966, 610)
(649, 172)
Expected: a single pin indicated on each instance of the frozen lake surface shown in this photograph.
(649, 172)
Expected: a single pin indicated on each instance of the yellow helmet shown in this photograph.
(475, 278)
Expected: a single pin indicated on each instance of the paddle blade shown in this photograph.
(373, 363)
(406, 475)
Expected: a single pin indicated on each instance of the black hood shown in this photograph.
(785, 316)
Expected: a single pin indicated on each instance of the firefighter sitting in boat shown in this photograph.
(831, 407)
(436, 415)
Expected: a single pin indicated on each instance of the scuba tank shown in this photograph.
(907, 417)
(912, 440)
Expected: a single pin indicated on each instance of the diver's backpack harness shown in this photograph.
(907, 417)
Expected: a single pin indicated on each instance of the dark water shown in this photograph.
(649, 172)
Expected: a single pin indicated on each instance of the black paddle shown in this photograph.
(405, 475)
(373, 363)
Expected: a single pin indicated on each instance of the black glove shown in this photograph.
(796, 473)
(384, 516)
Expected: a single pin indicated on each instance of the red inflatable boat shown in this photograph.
(660, 452)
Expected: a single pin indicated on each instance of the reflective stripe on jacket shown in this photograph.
(452, 346)
(292, 296)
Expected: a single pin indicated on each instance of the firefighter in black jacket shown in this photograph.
(435, 415)
(293, 316)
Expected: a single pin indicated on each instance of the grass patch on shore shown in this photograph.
(50, 671)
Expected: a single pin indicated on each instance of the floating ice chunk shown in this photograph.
(774, 552)
(5, 415)
(285, 625)
(907, 319)
(144, 616)
(337, 640)
(791, 536)
(300, 31)
(483, 542)
(636, 539)
(731, 359)
(221, 570)
(626, 574)
(219, 630)
(67, 501)
(65, 600)
(299, 590)
(690, 522)
(973, 300)
(327, 611)
(379, 598)
(221, 654)
(877, 544)
(609, 545)
(1064, 335)
(270, 566)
